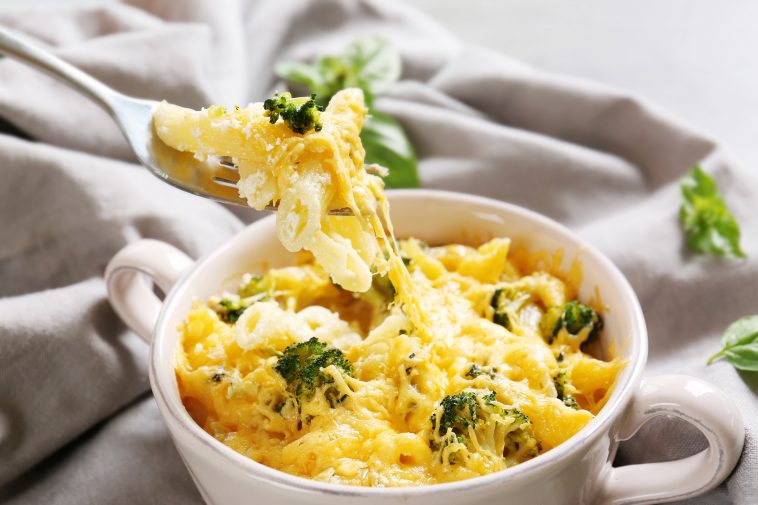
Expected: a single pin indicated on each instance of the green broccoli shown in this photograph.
(476, 370)
(500, 300)
(253, 284)
(299, 114)
(230, 307)
(576, 318)
(383, 285)
(302, 364)
(562, 383)
(504, 433)
(381, 294)
(458, 413)
(520, 444)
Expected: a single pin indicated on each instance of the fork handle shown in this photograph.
(16, 47)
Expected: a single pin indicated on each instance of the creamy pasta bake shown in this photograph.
(371, 361)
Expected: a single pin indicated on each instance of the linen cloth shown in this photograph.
(77, 422)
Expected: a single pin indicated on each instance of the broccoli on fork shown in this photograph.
(299, 114)
(302, 366)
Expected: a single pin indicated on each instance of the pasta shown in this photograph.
(373, 362)
(308, 175)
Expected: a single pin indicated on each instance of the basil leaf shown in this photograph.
(387, 145)
(709, 226)
(300, 73)
(740, 344)
(371, 64)
(335, 75)
(375, 65)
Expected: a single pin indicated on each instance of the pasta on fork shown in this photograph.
(307, 174)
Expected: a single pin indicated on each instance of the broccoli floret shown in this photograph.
(571, 402)
(254, 284)
(302, 364)
(503, 433)
(562, 384)
(458, 413)
(230, 307)
(299, 114)
(382, 292)
(476, 370)
(576, 318)
(500, 300)
(383, 285)
(502, 319)
(520, 444)
(519, 416)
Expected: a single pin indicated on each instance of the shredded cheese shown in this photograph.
(418, 324)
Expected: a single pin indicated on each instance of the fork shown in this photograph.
(214, 178)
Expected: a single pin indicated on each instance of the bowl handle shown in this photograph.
(131, 294)
(700, 404)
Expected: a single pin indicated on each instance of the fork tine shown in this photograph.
(273, 207)
(226, 162)
(371, 168)
(225, 182)
(341, 212)
(225, 173)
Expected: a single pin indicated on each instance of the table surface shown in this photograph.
(695, 58)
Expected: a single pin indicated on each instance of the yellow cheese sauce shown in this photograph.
(373, 362)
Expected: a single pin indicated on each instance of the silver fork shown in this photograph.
(215, 178)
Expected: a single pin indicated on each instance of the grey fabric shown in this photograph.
(76, 421)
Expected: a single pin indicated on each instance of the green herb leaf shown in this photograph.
(740, 342)
(301, 73)
(335, 74)
(371, 64)
(375, 66)
(387, 145)
(707, 222)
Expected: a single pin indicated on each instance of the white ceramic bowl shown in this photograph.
(577, 472)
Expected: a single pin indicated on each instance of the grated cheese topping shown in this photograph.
(427, 331)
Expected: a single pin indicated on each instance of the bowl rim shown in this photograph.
(173, 409)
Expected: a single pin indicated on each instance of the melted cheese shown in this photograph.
(409, 348)
(307, 175)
